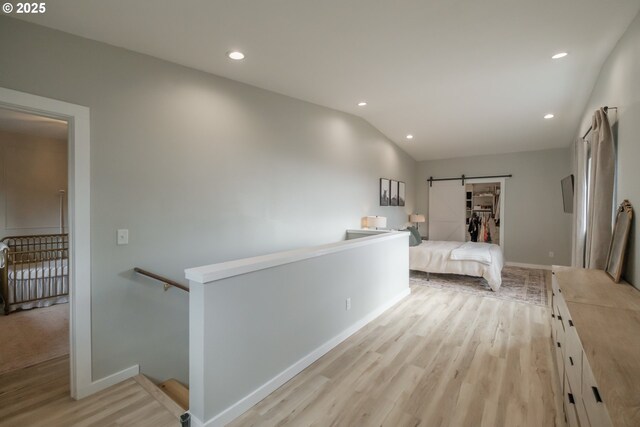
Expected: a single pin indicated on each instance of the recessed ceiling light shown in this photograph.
(409, 136)
(559, 55)
(235, 55)
(362, 104)
(548, 116)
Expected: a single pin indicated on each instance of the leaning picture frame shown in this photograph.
(401, 193)
(619, 240)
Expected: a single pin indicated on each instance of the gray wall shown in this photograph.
(33, 170)
(534, 223)
(619, 86)
(200, 169)
(246, 343)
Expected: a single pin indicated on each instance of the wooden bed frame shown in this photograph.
(26, 256)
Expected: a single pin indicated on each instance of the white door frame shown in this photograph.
(502, 182)
(79, 216)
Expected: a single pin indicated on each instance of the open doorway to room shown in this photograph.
(483, 212)
(34, 242)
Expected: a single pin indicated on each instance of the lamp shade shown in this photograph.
(375, 221)
(417, 218)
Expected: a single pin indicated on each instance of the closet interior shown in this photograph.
(483, 212)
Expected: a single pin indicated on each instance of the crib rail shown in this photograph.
(34, 268)
(33, 257)
(36, 243)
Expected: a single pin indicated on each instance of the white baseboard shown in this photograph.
(240, 407)
(106, 382)
(525, 265)
(196, 422)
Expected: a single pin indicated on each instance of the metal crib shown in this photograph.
(35, 271)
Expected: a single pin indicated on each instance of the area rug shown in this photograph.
(525, 285)
(33, 336)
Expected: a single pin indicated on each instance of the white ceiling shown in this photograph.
(465, 77)
(31, 124)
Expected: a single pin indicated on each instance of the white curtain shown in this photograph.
(601, 182)
(580, 164)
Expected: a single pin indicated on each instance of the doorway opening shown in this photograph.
(78, 215)
(34, 239)
(483, 212)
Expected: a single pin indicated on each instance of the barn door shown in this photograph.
(447, 211)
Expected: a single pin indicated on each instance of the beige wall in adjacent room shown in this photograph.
(33, 170)
(619, 86)
(534, 222)
(200, 169)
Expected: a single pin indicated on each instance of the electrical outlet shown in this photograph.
(123, 236)
(348, 304)
(551, 254)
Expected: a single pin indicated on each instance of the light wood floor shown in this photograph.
(39, 396)
(439, 358)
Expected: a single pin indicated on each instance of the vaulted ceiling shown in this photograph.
(465, 77)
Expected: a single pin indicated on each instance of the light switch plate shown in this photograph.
(123, 236)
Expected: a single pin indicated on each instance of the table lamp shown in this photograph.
(375, 222)
(417, 219)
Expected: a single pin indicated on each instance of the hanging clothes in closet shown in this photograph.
(497, 214)
(487, 234)
(486, 228)
(483, 230)
(474, 227)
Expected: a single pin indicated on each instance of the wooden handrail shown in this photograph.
(167, 282)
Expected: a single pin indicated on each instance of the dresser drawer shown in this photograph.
(554, 329)
(558, 342)
(583, 419)
(560, 309)
(594, 403)
(559, 360)
(555, 288)
(573, 360)
(558, 347)
(569, 404)
(559, 353)
(563, 313)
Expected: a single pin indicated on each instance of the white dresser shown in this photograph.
(596, 337)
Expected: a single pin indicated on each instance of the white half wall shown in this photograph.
(252, 332)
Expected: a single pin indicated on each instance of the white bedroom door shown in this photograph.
(447, 211)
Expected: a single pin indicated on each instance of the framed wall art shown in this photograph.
(385, 189)
(401, 193)
(393, 201)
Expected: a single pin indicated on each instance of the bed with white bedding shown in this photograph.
(470, 259)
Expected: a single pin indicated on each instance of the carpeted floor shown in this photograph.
(33, 336)
(518, 284)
